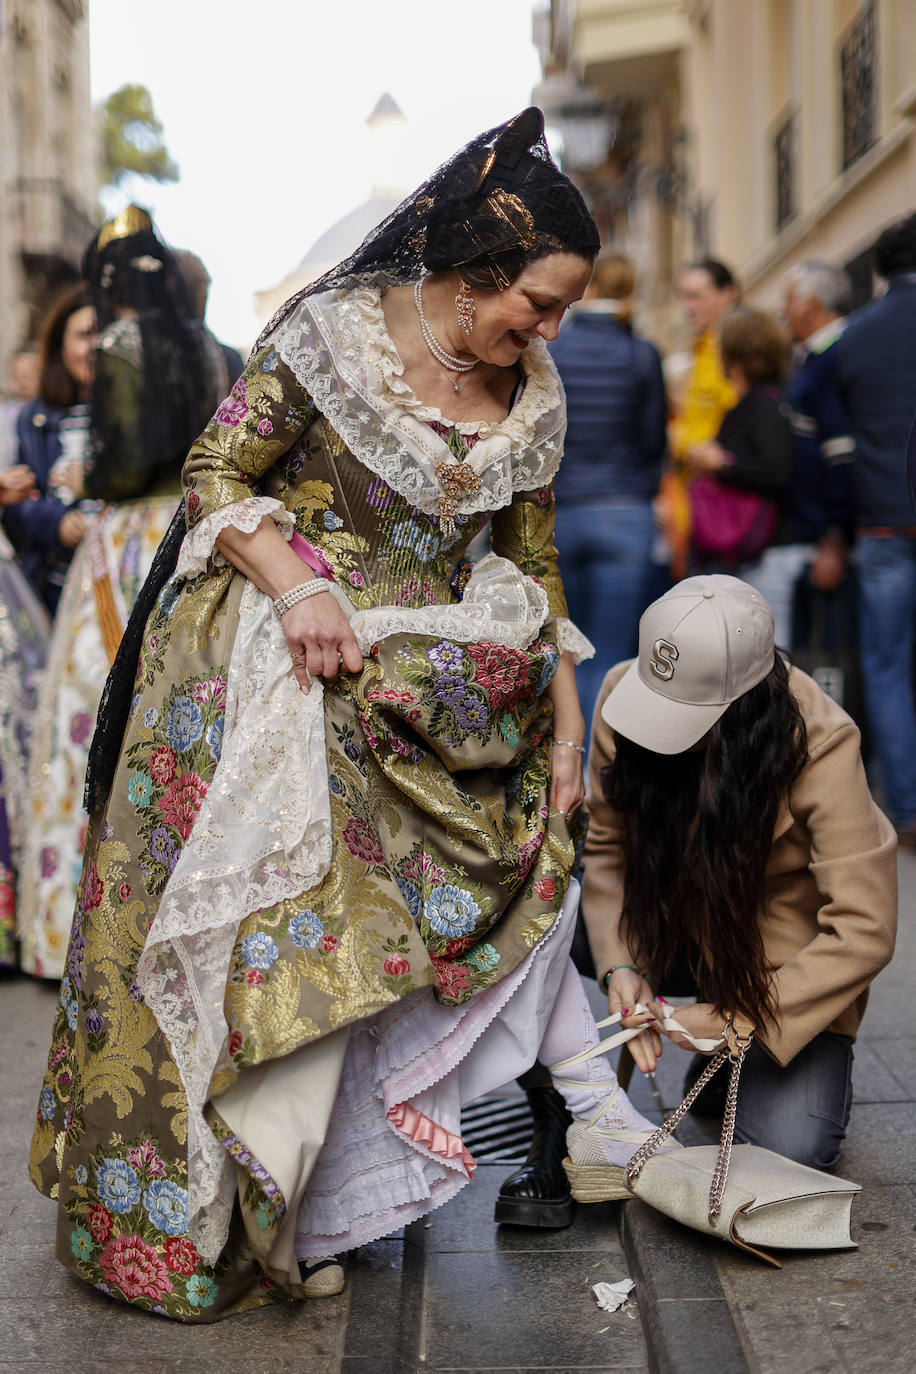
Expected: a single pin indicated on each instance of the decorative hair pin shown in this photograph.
(146, 263)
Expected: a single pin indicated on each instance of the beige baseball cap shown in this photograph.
(701, 646)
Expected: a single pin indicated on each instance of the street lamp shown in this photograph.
(586, 125)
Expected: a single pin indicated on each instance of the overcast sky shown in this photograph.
(264, 108)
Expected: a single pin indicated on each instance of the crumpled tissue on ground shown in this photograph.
(610, 1296)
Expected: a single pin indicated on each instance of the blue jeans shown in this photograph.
(887, 598)
(802, 1110)
(604, 561)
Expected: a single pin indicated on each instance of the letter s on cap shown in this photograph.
(665, 655)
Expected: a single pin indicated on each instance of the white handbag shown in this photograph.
(744, 1194)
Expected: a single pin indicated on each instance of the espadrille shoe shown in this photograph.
(591, 1177)
(321, 1278)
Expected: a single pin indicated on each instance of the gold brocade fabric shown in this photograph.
(448, 864)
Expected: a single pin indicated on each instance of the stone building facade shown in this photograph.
(48, 192)
(763, 131)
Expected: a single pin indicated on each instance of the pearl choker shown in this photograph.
(446, 360)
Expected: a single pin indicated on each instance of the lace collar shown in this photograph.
(339, 348)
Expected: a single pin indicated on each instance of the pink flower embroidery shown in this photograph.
(362, 841)
(162, 766)
(214, 689)
(454, 979)
(181, 803)
(134, 1267)
(265, 427)
(501, 672)
(235, 1043)
(99, 1222)
(254, 977)
(527, 853)
(93, 889)
(329, 943)
(234, 408)
(180, 1255)
(144, 1156)
(396, 966)
(546, 889)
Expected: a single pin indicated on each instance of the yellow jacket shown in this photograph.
(707, 398)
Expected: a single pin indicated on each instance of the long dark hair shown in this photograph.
(56, 387)
(137, 271)
(697, 834)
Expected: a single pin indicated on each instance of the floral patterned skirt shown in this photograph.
(447, 869)
(24, 633)
(120, 548)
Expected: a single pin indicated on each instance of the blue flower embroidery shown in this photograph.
(117, 1185)
(199, 1290)
(484, 957)
(259, 950)
(411, 896)
(167, 1205)
(508, 730)
(185, 724)
(427, 546)
(404, 535)
(305, 930)
(214, 738)
(332, 521)
(335, 785)
(139, 790)
(151, 717)
(451, 911)
(81, 1243)
(46, 1104)
(270, 362)
(82, 1173)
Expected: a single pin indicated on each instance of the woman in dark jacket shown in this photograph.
(615, 442)
(45, 530)
(752, 453)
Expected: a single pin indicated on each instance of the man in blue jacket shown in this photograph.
(876, 373)
(615, 442)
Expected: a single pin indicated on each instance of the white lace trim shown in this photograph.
(570, 639)
(254, 843)
(338, 347)
(198, 549)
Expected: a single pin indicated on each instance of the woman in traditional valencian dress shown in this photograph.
(155, 382)
(327, 891)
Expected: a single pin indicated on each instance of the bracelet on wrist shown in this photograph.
(606, 980)
(571, 744)
(284, 602)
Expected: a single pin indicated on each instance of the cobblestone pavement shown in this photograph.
(454, 1292)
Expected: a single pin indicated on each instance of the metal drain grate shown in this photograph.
(497, 1130)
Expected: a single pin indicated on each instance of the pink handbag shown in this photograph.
(730, 524)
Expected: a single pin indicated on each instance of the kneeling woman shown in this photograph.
(735, 853)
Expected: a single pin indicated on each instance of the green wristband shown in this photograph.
(606, 980)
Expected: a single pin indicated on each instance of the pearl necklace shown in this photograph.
(446, 360)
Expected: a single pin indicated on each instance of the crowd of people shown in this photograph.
(302, 821)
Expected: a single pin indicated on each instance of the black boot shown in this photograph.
(538, 1193)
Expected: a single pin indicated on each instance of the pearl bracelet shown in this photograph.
(570, 744)
(295, 594)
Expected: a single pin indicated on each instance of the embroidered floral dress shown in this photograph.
(106, 572)
(306, 920)
(24, 631)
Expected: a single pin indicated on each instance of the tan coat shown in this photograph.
(830, 911)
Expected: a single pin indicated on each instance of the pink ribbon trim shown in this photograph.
(311, 556)
(435, 1137)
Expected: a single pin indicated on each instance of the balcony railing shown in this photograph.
(859, 80)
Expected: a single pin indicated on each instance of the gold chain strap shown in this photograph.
(735, 1049)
